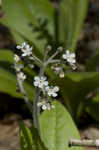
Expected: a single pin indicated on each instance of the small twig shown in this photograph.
(54, 61)
(29, 105)
(84, 143)
(37, 59)
(54, 55)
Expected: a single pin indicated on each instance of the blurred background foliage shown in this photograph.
(58, 23)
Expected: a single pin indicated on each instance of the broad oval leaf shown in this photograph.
(75, 91)
(57, 128)
(71, 18)
(8, 77)
(19, 22)
(25, 13)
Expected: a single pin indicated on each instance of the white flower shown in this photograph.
(52, 91)
(70, 57)
(73, 66)
(45, 105)
(26, 49)
(21, 76)
(40, 81)
(16, 58)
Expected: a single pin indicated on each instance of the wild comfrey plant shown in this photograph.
(44, 91)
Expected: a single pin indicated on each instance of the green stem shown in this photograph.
(54, 55)
(22, 90)
(36, 110)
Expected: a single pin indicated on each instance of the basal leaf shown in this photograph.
(42, 9)
(30, 139)
(75, 90)
(27, 141)
(8, 77)
(20, 20)
(93, 109)
(57, 128)
(71, 18)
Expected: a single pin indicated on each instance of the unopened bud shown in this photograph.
(60, 49)
(49, 48)
(61, 75)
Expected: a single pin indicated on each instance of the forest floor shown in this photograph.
(89, 40)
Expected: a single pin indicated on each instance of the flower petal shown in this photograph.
(54, 94)
(44, 107)
(56, 89)
(45, 83)
(36, 78)
(67, 52)
(73, 55)
(64, 56)
(36, 83)
(18, 47)
(43, 78)
(47, 88)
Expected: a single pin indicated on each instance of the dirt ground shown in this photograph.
(9, 132)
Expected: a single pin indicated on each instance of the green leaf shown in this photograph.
(44, 10)
(8, 83)
(38, 142)
(19, 21)
(74, 89)
(79, 76)
(8, 77)
(30, 139)
(93, 109)
(93, 63)
(71, 18)
(23, 15)
(6, 55)
(27, 141)
(57, 128)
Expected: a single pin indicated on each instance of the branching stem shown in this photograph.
(54, 55)
(36, 110)
(54, 61)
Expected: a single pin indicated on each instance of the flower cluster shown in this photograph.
(43, 84)
(41, 81)
(58, 70)
(26, 49)
(21, 76)
(45, 105)
(70, 58)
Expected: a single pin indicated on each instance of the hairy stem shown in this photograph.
(54, 61)
(54, 55)
(36, 110)
(22, 90)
